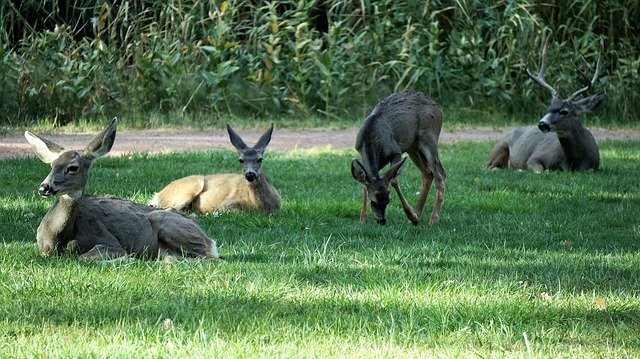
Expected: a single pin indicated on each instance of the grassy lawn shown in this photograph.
(521, 265)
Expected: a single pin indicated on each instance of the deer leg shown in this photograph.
(535, 164)
(73, 247)
(499, 156)
(430, 154)
(182, 234)
(102, 253)
(427, 179)
(96, 243)
(168, 254)
(440, 177)
(180, 193)
(408, 211)
(363, 211)
(235, 205)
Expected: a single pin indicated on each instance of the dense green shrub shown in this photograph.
(324, 58)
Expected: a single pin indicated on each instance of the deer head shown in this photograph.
(250, 157)
(377, 187)
(562, 114)
(70, 169)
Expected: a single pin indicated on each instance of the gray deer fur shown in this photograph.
(106, 228)
(560, 141)
(406, 122)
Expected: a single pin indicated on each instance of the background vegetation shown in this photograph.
(69, 60)
(522, 265)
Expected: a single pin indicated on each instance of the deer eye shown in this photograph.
(72, 169)
(564, 112)
(241, 161)
(259, 160)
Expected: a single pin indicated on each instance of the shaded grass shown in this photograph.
(514, 253)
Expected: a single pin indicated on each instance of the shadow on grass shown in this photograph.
(240, 312)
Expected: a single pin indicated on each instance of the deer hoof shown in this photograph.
(72, 247)
(414, 219)
(434, 219)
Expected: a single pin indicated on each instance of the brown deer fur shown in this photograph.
(251, 190)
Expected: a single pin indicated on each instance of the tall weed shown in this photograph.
(316, 58)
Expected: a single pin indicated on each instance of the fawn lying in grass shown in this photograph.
(251, 190)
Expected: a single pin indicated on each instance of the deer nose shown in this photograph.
(544, 127)
(45, 190)
(381, 221)
(250, 176)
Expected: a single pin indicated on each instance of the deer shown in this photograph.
(559, 141)
(406, 122)
(225, 192)
(106, 228)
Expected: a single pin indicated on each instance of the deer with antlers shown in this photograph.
(560, 141)
(106, 228)
(221, 192)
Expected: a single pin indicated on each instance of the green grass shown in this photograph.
(513, 269)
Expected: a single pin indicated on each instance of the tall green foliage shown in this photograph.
(326, 58)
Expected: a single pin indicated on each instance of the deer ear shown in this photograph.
(394, 171)
(264, 139)
(590, 103)
(102, 143)
(236, 141)
(46, 150)
(359, 173)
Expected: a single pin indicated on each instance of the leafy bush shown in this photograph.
(331, 58)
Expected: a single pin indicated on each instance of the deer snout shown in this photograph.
(381, 221)
(250, 176)
(544, 126)
(46, 190)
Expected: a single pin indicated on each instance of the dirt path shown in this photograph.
(282, 140)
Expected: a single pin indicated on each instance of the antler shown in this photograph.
(595, 75)
(543, 66)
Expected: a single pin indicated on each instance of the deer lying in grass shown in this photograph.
(402, 122)
(224, 192)
(560, 141)
(105, 228)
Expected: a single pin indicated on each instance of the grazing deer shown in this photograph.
(572, 147)
(402, 122)
(250, 190)
(105, 228)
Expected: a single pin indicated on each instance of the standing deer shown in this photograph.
(250, 190)
(105, 228)
(406, 122)
(572, 147)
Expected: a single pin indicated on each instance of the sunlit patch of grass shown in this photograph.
(521, 264)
